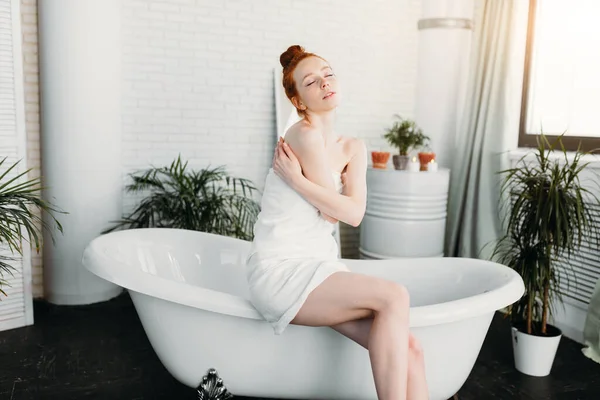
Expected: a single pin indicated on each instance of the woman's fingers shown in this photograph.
(280, 151)
(289, 152)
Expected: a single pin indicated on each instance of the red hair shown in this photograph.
(289, 61)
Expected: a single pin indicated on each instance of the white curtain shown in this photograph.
(486, 128)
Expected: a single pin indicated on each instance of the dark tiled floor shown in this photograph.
(101, 352)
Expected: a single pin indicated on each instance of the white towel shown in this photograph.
(293, 251)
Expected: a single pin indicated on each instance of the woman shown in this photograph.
(294, 270)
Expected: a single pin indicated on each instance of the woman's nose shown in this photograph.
(324, 85)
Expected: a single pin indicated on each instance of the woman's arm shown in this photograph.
(348, 207)
(309, 148)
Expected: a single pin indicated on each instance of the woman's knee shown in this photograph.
(397, 297)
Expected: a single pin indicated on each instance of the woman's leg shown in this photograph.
(358, 331)
(417, 381)
(346, 296)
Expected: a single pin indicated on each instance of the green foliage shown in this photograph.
(547, 215)
(18, 222)
(208, 200)
(405, 135)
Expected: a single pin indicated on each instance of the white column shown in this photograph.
(445, 30)
(80, 94)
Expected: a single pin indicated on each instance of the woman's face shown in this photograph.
(316, 84)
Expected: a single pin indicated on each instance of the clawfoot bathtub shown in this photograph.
(189, 289)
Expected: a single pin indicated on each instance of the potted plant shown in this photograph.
(404, 135)
(18, 221)
(208, 200)
(547, 214)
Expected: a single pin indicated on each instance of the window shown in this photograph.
(561, 86)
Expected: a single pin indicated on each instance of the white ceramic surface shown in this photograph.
(190, 291)
(534, 355)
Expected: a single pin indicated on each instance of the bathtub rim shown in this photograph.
(105, 267)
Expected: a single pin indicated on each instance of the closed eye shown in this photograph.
(328, 75)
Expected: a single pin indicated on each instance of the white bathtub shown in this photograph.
(189, 289)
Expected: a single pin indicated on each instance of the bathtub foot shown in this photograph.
(212, 388)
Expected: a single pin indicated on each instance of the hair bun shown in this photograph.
(286, 58)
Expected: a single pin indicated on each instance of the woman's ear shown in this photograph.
(298, 104)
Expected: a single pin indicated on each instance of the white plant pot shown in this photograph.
(534, 355)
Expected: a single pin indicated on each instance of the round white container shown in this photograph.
(405, 215)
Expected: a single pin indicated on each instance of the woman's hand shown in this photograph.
(285, 163)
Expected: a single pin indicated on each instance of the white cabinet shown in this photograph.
(406, 214)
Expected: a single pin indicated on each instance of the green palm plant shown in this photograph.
(208, 200)
(18, 222)
(405, 135)
(547, 215)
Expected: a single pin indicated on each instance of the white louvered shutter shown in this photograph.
(579, 275)
(16, 309)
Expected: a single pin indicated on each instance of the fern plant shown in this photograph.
(547, 215)
(405, 135)
(208, 200)
(18, 222)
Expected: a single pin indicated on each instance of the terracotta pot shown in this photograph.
(380, 159)
(425, 158)
(400, 162)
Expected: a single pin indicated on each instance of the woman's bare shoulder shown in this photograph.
(354, 146)
(351, 148)
(302, 133)
(301, 129)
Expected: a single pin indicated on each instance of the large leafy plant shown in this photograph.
(208, 200)
(547, 215)
(18, 222)
(405, 135)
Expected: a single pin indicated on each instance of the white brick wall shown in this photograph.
(198, 79)
(198, 76)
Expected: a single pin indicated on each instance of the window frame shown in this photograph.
(571, 143)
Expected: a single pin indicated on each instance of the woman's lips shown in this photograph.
(328, 95)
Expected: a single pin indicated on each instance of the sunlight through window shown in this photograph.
(564, 80)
